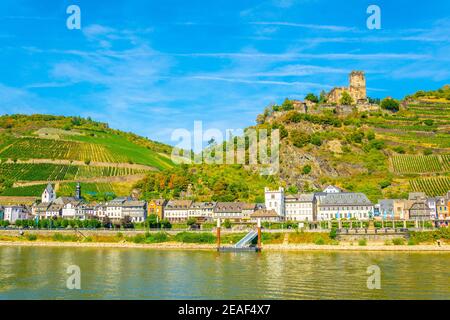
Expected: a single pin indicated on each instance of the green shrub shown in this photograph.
(139, 238)
(399, 149)
(312, 97)
(31, 237)
(390, 104)
(306, 169)
(61, 237)
(398, 241)
(319, 241)
(226, 224)
(333, 233)
(192, 237)
(412, 242)
(156, 237)
(299, 138)
(362, 242)
(316, 140)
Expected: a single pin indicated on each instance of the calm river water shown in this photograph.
(110, 273)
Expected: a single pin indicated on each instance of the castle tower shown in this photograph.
(357, 87)
(274, 200)
(78, 192)
(48, 195)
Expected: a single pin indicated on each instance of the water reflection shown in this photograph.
(40, 273)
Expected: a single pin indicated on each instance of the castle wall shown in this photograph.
(335, 95)
(356, 89)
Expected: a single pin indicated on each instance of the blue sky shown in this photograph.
(154, 66)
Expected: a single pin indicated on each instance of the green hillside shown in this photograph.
(55, 148)
(382, 152)
(396, 148)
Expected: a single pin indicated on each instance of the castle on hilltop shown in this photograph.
(356, 89)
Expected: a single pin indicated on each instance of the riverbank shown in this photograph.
(199, 246)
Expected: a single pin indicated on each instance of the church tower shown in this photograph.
(78, 191)
(49, 194)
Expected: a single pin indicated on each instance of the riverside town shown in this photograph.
(308, 210)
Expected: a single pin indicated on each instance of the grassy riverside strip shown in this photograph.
(418, 241)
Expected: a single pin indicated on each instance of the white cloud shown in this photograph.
(303, 25)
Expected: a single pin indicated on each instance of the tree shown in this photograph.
(191, 221)
(390, 104)
(370, 135)
(126, 223)
(292, 190)
(106, 221)
(306, 169)
(312, 97)
(260, 119)
(323, 97)
(152, 221)
(287, 105)
(226, 224)
(165, 223)
(346, 99)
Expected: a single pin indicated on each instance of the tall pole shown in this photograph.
(259, 234)
(218, 233)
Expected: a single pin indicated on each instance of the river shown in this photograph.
(112, 273)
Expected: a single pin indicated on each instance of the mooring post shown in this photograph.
(218, 233)
(259, 234)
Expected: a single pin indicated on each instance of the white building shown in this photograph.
(274, 200)
(136, 210)
(230, 210)
(300, 207)
(14, 213)
(202, 210)
(431, 202)
(332, 189)
(342, 205)
(177, 210)
(73, 210)
(49, 194)
(114, 208)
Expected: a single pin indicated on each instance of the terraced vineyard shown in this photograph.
(52, 172)
(106, 148)
(27, 148)
(28, 191)
(431, 186)
(68, 189)
(404, 164)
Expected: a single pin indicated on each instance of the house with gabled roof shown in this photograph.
(177, 210)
